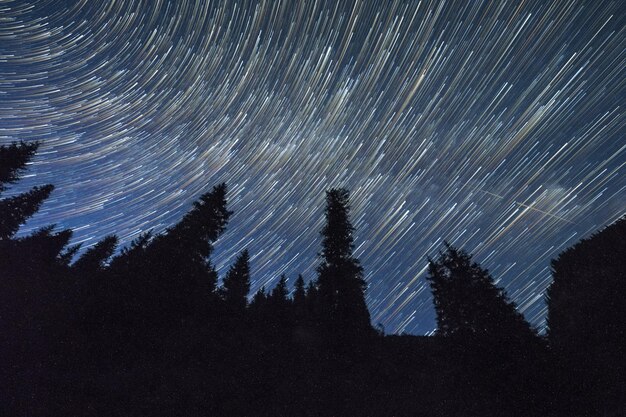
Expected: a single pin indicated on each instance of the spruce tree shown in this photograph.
(467, 301)
(341, 287)
(312, 315)
(14, 211)
(236, 284)
(299, 292)
(259, 300)
(492, 348)
(13, 160)
(257, 312)
(168, 278)
(94, 258)
(299, 301)
(42, 249)
(280, 292)
(34, 289)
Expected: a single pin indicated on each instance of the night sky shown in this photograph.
(498, 126)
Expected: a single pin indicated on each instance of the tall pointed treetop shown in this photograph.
(13, 160)
(237, 282)
(340, 275)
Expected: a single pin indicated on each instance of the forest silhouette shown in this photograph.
(149, 330)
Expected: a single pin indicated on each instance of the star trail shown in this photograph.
(497, 126)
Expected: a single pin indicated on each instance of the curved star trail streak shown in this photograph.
(498, 126)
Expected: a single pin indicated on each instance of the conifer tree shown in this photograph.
(493, 348)
(280, 292)
(467, 301)
(169, 278)
(94, 258)
(340, 282)
(130, 256)
(188, 245)
(312, 309)
(49, 247)
(258, 312)
(13, 160)
(14, 211)
(34, 291)
(279, 306)
(299, 292)
(236, 284)
(203, 224)
(299, 301)
(259, 300)
(42, 248)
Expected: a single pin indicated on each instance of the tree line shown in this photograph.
(150, 330)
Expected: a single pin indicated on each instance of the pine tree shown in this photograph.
(169, 278)
(236, 284)
(340, 282)
(47, 246)
(280, 292)
(26, 254)
(35, 293)
(299, 301)
(258, 312)
(14, 211)
(492, 347)
(203, 224)
(299, 292)
(183, 251)
(13, 160)
(186, 249)
(311, 290)
(312, 315)
(259, 300)
(94, 258)
(467, 301)
(132, 255)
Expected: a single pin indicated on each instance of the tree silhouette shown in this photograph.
(14, 211)
(299, 292)
(280, 292)
(94, 258)
(467, 301)
(258, 304)
(168, 280)
(35, 292)
(497, 357)
(236, 285)
(259, 298)
(586, 311)
(299, 301)
(280, 314)
(13, 160)
(184, 250)
(44, 251)
(340, 276)
(132, 254)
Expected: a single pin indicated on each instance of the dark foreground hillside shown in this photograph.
(391, 376)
